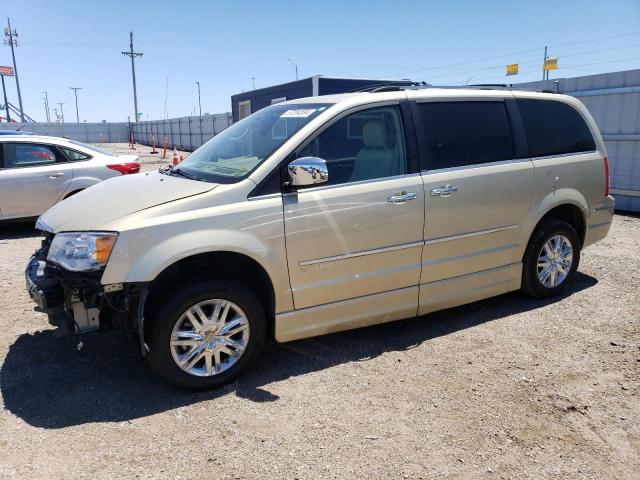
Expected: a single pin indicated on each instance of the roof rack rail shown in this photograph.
(409, 85)
(389, 86)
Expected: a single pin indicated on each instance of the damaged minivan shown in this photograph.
(325, 214)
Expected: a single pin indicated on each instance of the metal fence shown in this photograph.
(613, 99)
(186, 133)
(83, 132)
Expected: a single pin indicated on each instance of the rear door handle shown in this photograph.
(443, 191)
(55, 174)
(403, 197)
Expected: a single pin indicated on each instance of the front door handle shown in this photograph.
(403, 197)
(55, 174)
(443, 191)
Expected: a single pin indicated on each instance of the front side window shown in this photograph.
(236, 151)
(365, 145)
(456, 134)
(554, 128)
(17, 155)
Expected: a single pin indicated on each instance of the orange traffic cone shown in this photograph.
(153, 144)
(165, 145)
(176, 160)
(132, 143)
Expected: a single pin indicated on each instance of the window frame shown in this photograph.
(518, 136)
(54, 147)
(62, 149)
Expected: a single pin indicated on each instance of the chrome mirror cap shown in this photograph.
(307, 171)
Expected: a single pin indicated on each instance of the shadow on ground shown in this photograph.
(10, 230)
(48, 383)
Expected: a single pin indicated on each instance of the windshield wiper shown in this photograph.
(184, 174)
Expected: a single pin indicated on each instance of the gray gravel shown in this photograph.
(505, 388)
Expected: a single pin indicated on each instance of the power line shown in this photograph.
(439, 67)
(596, 39)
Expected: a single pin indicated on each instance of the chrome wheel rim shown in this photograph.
(209, 338)
(554, 261)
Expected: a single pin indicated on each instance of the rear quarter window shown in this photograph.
(554, 128)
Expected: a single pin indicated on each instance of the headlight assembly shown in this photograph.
(82, 251)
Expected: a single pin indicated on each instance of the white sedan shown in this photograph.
(37, 172)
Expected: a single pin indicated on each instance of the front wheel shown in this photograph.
(551, 259)
(206, 334)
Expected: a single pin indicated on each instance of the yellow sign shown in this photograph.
(551, 63)
(512, 69)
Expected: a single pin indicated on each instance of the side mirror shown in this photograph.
(307, 171)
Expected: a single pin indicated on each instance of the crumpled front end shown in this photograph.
(78, 300)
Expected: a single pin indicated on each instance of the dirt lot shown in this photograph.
(506, 388)
(148, 161)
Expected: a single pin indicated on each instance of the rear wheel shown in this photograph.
(551, 259)
(206, 335)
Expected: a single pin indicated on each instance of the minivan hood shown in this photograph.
(118, 197)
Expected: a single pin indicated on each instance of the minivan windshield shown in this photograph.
(233, 154)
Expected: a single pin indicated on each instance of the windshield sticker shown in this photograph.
(298, 113)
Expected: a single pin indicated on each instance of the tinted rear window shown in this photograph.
(554, 128)
(465, 133)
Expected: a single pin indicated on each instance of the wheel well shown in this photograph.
(225, 265)
(570, 214)
(73, 193)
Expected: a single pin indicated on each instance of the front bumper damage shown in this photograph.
(79, 302)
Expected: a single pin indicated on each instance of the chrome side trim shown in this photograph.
(475, 165)
(392, 248)
(470, 234)
(360, 254)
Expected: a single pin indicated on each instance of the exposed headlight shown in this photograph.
(82, 251)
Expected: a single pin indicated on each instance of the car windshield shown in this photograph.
(93, 147)
(233, 154)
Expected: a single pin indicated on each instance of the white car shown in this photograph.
(36, 172)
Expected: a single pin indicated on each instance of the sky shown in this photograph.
(223, 44)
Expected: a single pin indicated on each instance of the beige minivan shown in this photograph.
(325, 214)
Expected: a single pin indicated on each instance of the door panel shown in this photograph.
(475, 227)
(349, 240)
(33, 179)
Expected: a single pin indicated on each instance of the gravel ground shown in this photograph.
(148, 161)
(505, 388)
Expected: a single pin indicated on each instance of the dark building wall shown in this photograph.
(262, 97)
(330, 86)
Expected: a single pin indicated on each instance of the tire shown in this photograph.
(173, 326)
(550, 233)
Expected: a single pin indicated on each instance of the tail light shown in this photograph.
(125, 168)
(607, 177)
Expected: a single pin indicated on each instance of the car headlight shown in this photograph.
(82, 251)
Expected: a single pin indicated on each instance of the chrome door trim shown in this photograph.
(345, 256)
(348, 184)
(469, 234)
